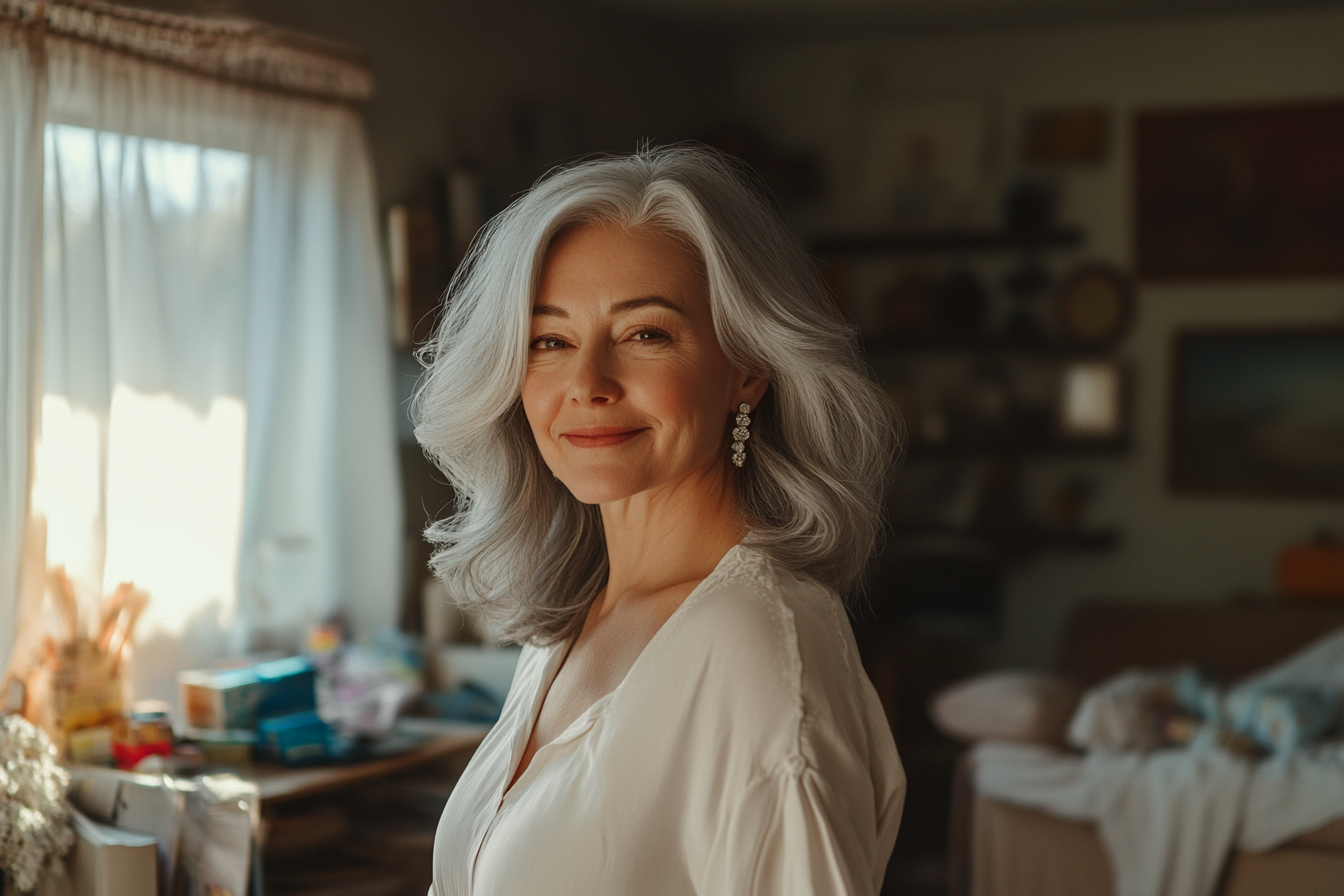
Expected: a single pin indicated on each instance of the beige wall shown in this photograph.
(806, 92)
(453, 74)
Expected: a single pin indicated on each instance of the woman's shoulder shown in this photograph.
(752, 600)
(776, 637)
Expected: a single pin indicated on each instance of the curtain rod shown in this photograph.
(232, 49)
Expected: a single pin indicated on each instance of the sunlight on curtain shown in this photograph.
(141, 464)
(175, 504)
(23, 92)
(215, 313)
(68, 488)
(174, 499)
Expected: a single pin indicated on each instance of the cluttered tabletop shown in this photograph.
(266, 772)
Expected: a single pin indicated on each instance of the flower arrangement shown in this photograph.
(34, 817)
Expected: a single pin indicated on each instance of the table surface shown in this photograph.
(279, 783)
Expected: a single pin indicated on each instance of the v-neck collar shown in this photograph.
(585, 719)
(588, 718)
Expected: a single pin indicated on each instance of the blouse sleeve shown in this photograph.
(792, 834)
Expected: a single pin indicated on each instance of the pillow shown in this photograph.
(1029, 707)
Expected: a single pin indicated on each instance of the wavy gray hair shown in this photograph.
(520, 549)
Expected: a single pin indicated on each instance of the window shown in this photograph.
(194, 315)
(144, 423)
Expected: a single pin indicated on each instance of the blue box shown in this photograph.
(300, 738)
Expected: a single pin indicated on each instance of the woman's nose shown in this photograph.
(594, 380)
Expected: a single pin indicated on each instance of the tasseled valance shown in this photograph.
(233, 49)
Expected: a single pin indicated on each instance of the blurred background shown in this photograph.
(1095, 249)
(926, 153)
(1063, 227)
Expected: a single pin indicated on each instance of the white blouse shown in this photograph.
(745, 752)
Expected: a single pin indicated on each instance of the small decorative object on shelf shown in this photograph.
(1091, 405)
(34, 817)
(1024, 284)
(1095, 306)
(1029, 205)
(960, 301)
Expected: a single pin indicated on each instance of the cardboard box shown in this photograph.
(236, 699)
(111, 862)
(201, 828)
(138, 804)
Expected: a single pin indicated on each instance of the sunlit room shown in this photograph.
(887, 447)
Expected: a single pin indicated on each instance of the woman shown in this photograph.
(668, 464)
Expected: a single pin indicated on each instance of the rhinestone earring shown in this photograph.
(740, 434)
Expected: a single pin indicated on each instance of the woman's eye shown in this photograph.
(649, 335)
(548, 342)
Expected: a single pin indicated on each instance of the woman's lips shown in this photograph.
(600, 436)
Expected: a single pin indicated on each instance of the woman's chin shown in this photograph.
(592, 490)
(600, 490)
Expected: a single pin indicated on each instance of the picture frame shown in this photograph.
(1240, 192)
(923, 162)
(1093, 401)
(1257, 412)
(1071, 135)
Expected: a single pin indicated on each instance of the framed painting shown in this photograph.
(1258, 412)
(923, 162)
(1248, 192)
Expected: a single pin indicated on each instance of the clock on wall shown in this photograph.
(1095, 306)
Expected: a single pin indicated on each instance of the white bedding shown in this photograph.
(1293, 794)
(1168, 818)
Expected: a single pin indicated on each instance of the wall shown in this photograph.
(805, 93)
(459, 79)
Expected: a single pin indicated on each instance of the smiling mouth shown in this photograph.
(599, 436)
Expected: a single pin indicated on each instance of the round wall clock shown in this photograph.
(1095, 306)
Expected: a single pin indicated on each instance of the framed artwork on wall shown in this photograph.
(923, 162)
(1092, 401)
(1246, 192)
(1258, 412)
(1079, 135)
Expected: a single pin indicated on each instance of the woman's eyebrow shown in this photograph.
(646, 302)
(620, 307)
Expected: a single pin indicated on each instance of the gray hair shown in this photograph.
(520, 549)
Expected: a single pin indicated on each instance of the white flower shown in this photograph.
(34, 817)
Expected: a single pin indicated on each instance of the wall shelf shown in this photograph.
(910, 242)
(977, 343)
(1020, 540)
(1050, 446)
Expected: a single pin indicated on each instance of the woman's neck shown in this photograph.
(668, 536)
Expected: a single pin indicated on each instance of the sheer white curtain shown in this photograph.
(218, 418)
(22, 81)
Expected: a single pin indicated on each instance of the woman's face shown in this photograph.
(627, 389)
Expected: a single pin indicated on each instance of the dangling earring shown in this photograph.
(741, 434)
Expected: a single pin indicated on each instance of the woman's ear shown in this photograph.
(751, 390)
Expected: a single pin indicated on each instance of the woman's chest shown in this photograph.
(613, 800)
(601, 658)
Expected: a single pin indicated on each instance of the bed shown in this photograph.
(1002, 849)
